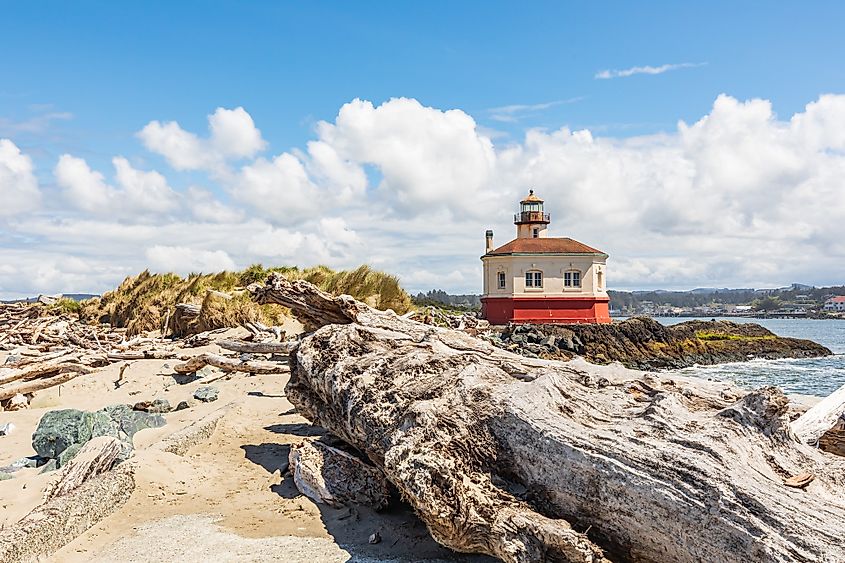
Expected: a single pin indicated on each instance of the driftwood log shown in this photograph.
(538, 460)
(330, 476)
(248, 347)
(199, 361)
(98, 455)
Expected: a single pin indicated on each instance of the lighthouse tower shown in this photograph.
(540, 279)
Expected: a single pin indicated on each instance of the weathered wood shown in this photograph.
(142, 355)
(331, 476)
(68, 372)
(821, 417)
(38, 371)
(533, 460)
(96, 456)
(59, 521)
(314, 307)
(198, 362)
(242, 346)
(833, 441)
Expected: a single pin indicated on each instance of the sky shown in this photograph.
(698, 144)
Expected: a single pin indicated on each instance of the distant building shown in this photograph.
(835, 303)
(540, 279)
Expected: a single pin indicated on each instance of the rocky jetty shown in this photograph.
(643, 343)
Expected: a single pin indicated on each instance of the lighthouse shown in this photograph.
(536, 278)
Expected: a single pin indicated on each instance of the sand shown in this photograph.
(226, 499)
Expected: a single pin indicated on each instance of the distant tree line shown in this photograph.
(764, 299)
(439, 298)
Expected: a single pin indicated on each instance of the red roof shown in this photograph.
(837, 299)
(545, 245)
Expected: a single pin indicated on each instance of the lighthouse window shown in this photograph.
(533, 279)
(572, 279)
(502, 280)
(536, 233)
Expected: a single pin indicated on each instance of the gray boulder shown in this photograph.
(206, 394)
(182, 406)
(67, 455)
(59, 430)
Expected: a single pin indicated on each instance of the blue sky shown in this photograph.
(84, 78)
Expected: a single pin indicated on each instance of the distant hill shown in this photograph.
(74, 296)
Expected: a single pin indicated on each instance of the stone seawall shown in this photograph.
(643, 343)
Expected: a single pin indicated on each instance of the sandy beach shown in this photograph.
(228, 498)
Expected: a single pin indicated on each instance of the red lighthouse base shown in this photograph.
(544, 310)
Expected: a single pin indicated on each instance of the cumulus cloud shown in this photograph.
(232, 135)
(184, 260)
(279, 189)
(137, 192)
(607, 74)
(427, 158)
(738, 197)
(19, 190)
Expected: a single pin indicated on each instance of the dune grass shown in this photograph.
(147, 301)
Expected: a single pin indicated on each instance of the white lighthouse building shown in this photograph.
(536, 278)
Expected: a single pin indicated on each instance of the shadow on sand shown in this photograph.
(404, 537)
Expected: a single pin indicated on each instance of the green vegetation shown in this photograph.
(66, 306)
(147, 301)
(710, 336)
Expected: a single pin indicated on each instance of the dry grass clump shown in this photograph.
(148, 301)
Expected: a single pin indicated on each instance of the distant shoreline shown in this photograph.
(798, 316)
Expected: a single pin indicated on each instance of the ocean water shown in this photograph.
(815, 376)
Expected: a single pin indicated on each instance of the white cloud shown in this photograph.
(607, 74)
(512, 113)
(232, 135)
(84, 188)
(279, 189)
(739, 197)
(19, 190)
(427, 158)
(139, 192)
(205, 207)
(184, 260)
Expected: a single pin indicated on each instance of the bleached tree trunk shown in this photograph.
(533, 460)
(820, 418)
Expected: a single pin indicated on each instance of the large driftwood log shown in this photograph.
(533, 460)
(811, 425)
(331, 476)
(96, 456)
(69, 372)
(199, 361)
(244, 346)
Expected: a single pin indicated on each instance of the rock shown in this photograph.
(67, 455)
(19, 464)
(17, 402)
(49, 466)
(375, 538)
(6, 429)
(207, 371)
(206, 394)
(645, 344)
(156, 406)
(12, 359)
(5, 476)
(61, 429)
(182, 406)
